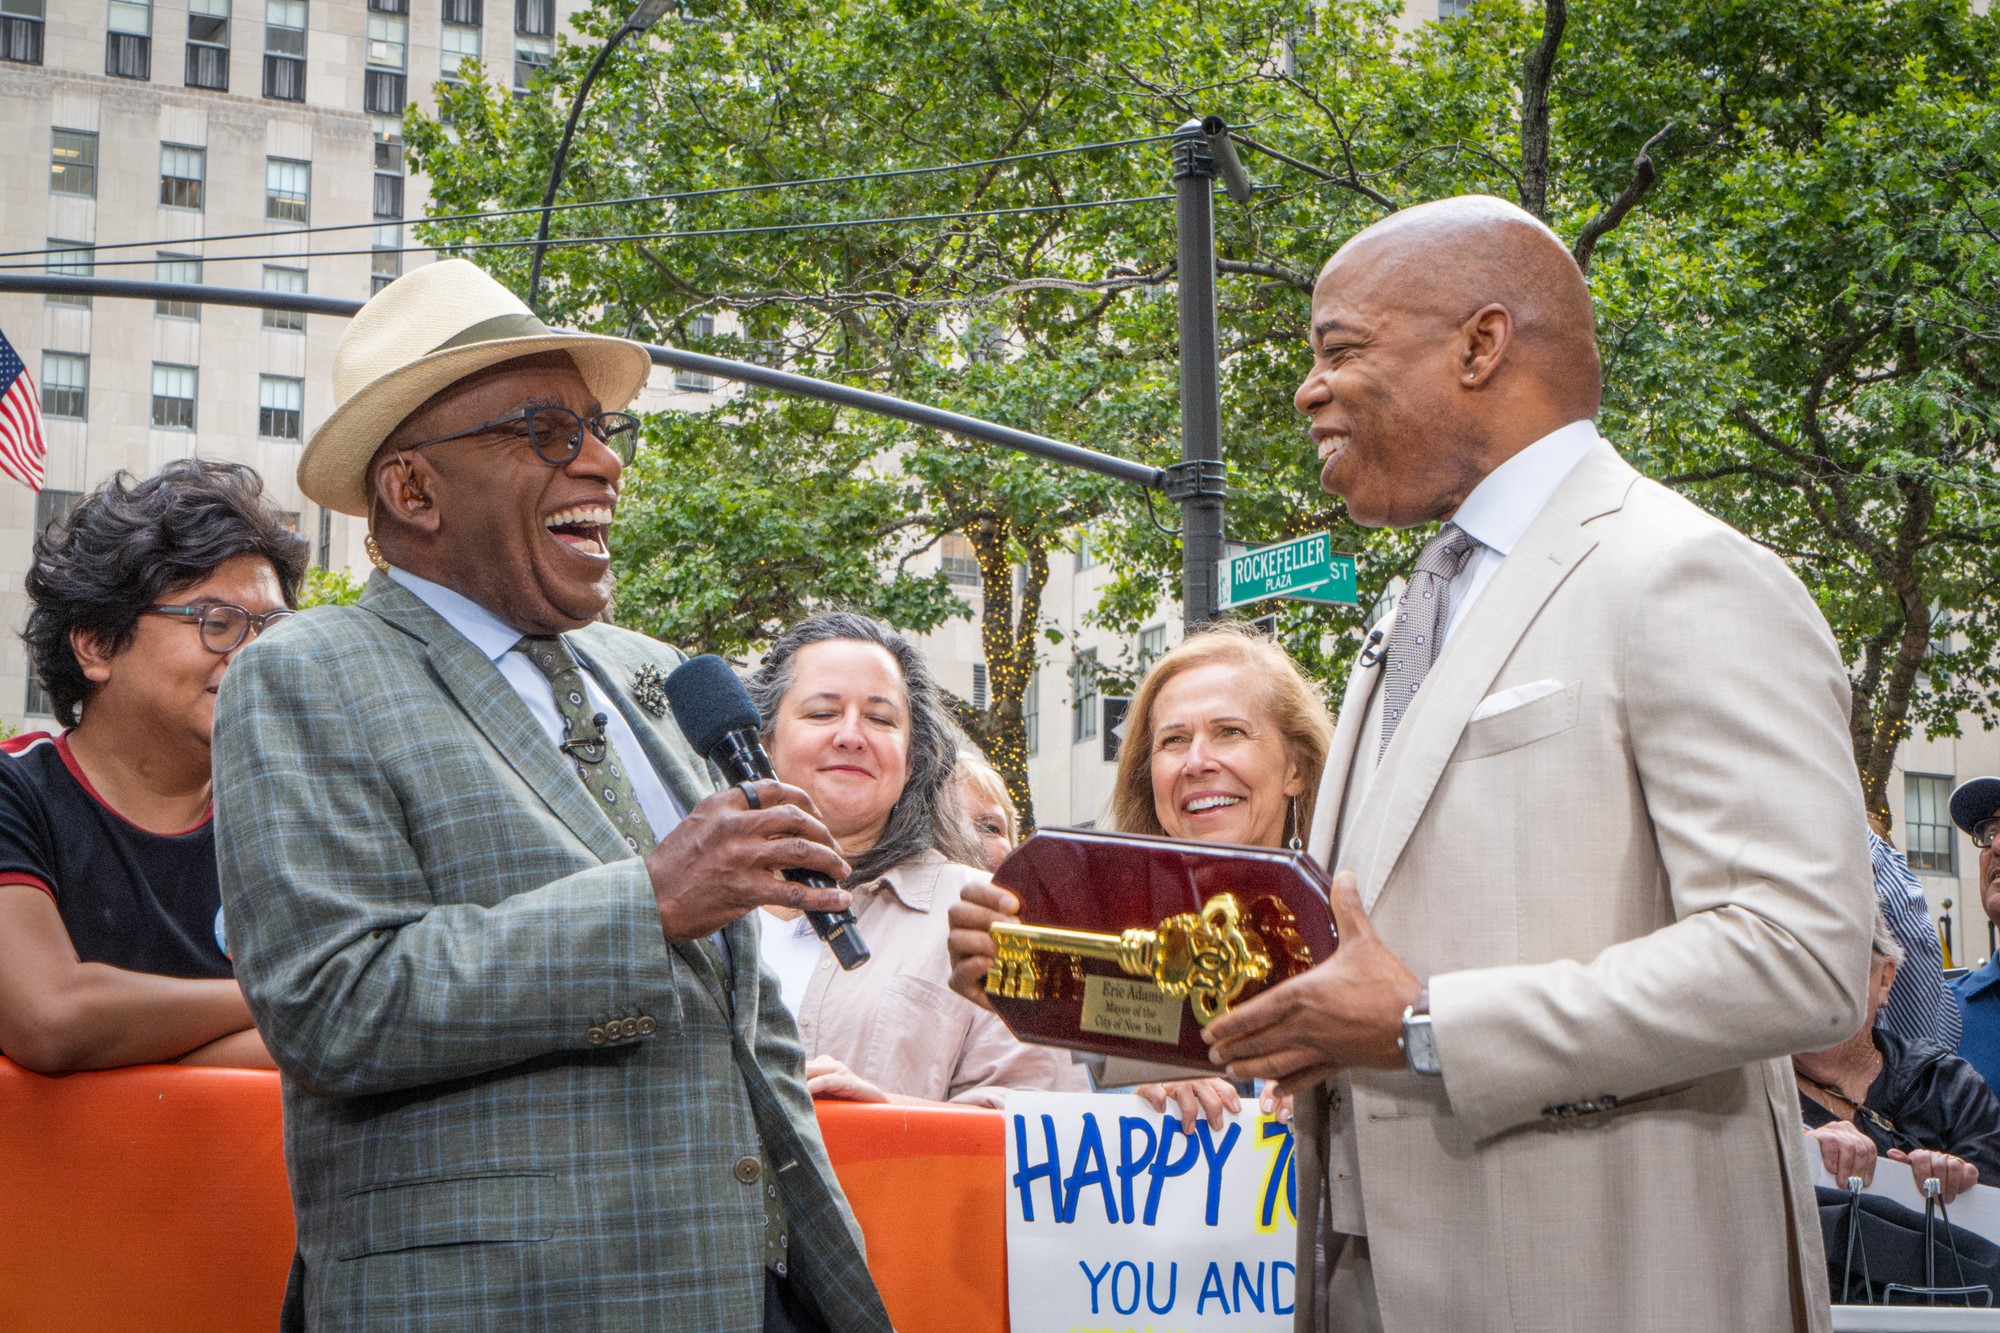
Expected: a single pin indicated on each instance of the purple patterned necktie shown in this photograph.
(1421, 615)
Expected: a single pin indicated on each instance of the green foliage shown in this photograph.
(1829, 173)
(328, 587)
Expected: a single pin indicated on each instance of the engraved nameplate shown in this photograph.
(1114, 1007)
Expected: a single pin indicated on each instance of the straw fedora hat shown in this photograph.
(422, 333)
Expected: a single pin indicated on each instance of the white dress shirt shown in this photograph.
(496, 638)
(1505, 502)
(1496, 515)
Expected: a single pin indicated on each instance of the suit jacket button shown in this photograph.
(647, 1026)
(748, 1169)
(628, 1027)
(595, 1036)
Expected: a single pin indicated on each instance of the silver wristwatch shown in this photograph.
(1419, 1042)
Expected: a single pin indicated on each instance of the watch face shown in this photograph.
(1421, 1044)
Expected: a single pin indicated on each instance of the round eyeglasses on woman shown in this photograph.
(223, 626)
(555, 433)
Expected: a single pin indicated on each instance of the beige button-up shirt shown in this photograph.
(895, 1020)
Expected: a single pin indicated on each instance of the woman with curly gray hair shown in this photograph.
(853, 717)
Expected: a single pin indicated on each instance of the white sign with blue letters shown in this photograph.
(1119, 1222)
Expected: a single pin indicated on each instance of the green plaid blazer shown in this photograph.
(509, 1104)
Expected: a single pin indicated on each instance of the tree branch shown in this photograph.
(1267, 269)
(1643, 174)
(1537, 71)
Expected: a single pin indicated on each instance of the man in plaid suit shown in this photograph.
(487, 911)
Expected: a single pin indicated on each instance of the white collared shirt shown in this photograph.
(496, 638)
(1506, 501)
(1496, 514)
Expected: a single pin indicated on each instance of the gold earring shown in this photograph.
(368, 543)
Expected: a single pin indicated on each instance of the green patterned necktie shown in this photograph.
(585, 742)
(587, 745)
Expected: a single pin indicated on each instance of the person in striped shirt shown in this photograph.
(1920, 1006)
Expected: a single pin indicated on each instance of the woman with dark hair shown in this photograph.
(112, 947)
(852, 716)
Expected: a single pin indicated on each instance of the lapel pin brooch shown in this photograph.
(649, 687)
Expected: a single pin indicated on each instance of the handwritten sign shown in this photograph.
(1118, 1222)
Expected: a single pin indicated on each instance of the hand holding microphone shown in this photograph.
(715, 713)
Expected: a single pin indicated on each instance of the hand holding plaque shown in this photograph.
(1130, 945)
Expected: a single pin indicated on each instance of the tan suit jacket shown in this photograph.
(1638, 890)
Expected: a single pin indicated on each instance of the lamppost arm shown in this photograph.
(562, 158)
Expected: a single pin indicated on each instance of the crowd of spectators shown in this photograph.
(113, 949)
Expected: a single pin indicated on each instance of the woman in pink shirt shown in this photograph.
(852, 716)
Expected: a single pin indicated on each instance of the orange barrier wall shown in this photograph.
(154, 1199)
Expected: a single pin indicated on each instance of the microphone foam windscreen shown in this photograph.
(709, 702)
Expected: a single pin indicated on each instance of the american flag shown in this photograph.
(22, 447)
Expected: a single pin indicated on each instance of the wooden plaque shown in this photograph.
(1106, 884)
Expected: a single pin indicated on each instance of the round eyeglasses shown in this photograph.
(223, 626)
(555, 433)
(1985, 831)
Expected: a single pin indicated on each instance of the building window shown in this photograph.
(389, 6)
(1085, 557)
(281, 403)
(65, 386)
(173, 396)
(183, 174)
(979, 686)
(1454, 9)
(383, 93)
(73, 163)
(1083, 684)
(960, 562)
(285, 50)
(277, 279)
(208, 45)
(53, 506)
(1930, 843)
(689, 381)
(128, 41)
(456, 45)
(388, 42)
(1031, 712)
(325, 535)
(70, 259)
(287, 189)
(21, 31)
(1152, 642)
(388, 195)
(468, 13)
(386, 263)
(535, 18)
(530, 55)
(177, 268)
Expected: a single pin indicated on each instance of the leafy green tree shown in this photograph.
(1800, 327)
(1785, 213)
(328, 587)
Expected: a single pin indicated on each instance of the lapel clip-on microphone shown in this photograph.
(1371, 652)
(715, 713)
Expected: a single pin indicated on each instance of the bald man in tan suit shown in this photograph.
(1599, 837)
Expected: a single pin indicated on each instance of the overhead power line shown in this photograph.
(676, 197)
(456, 247)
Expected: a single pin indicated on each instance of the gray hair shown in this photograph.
(1885, 942)
(928, 814)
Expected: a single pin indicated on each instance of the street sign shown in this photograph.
(1305, 569)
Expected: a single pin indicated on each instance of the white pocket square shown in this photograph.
(1495, 704)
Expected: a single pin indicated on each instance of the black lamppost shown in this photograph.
(645, 16)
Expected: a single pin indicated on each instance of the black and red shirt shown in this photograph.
(142, 901)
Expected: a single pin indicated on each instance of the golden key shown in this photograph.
(1208, 957)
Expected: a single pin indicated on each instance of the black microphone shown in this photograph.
(715, 714)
